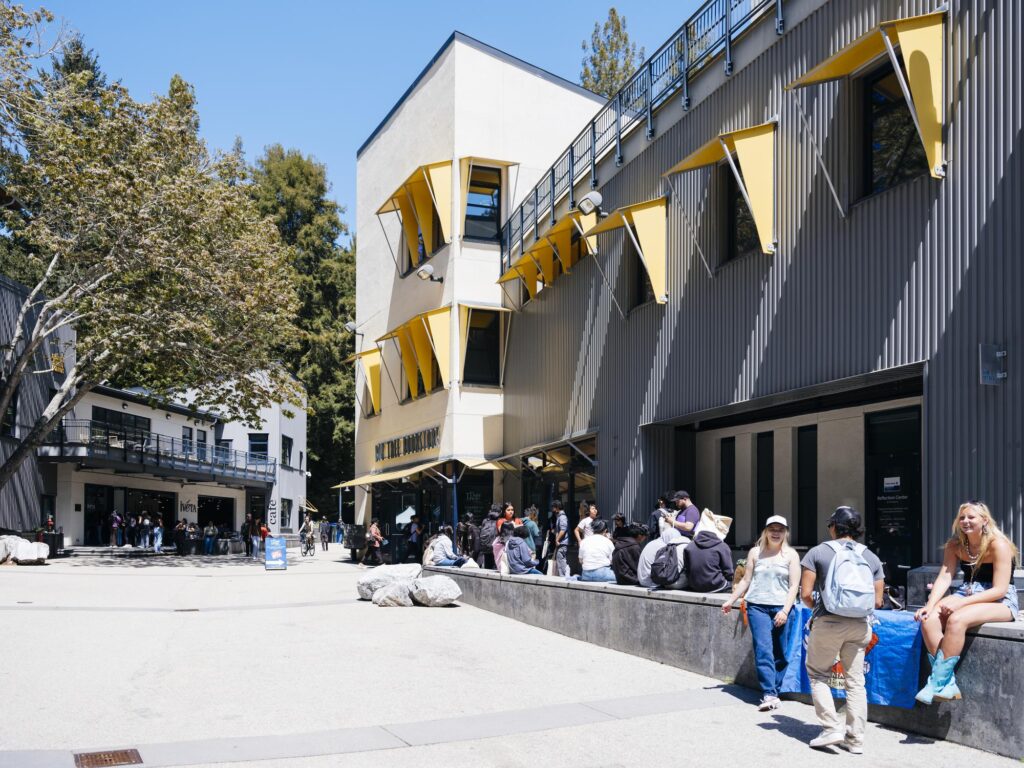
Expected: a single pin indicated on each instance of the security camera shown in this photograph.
(351, 326)
(309, 474)
(426, 272)
(590, 202)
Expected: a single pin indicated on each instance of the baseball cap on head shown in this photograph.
(776, 519)
(680, 495)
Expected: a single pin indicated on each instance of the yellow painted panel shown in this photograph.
(409, 228)
(424, 353)
(465, 164)
(616, 220)
(439, 325)
(371, 367)
(562, 241)
(440, 175)
(848, 60)
(425, 211)
(512, 274)
(545, 256)
(529, 272)
(652, 233)
(464, 313)
(709, 154)
(586, 222)
(922, 42)
(756, 150)
(394, 474)
(408, 360)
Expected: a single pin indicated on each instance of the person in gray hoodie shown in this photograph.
(520, 558)
(708, 562)
(669, 537)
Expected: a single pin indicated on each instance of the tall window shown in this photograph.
(286, 513)
(741, 233)
(892, 149)
(765, 478)
(223, 450)
(483, 204)
(483, 349)
(259, 445)
(286, 450)
(807, 485)
(10, 419)
(127, 424)
(201, 444)
(640, 289)
(186, 439)
(727, 483)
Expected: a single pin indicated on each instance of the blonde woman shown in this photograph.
(987, 594)
(770, 583)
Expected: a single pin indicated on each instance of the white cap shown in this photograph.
(776, 519)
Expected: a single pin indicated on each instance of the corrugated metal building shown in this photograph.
(845, 366)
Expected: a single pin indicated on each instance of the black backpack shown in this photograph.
(488, 533)
(665, 570)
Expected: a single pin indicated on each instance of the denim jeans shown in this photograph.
(599, 574)
(158, 540)
(456, 563)
(255, 547)
(144, 540)
(561, 564)
(770, 643)
(208, 545)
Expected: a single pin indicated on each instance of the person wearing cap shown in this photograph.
(771, 582)
(687, 514)
(843, 636)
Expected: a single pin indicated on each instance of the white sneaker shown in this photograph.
(768, 703)
(852, 748)
(827, 739)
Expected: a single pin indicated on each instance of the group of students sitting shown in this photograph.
(840, 580)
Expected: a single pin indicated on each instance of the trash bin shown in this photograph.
(54, 541)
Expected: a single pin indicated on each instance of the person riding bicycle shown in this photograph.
(308, 534)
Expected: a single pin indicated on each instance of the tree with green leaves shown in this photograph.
(611, 58)
(292, 189)
(139, 241)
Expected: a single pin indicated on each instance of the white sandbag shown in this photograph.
(435, 591)
(471, 563)
(394, 595)
(7, 546)
(373, 580)
(30, 552)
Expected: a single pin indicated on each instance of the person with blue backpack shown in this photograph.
(842, 584)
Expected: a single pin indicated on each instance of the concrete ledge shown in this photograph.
(687, 630)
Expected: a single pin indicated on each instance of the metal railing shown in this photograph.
(136, 447)
(705, 35)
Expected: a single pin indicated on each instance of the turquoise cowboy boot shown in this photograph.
(926, 694)
(946, 688)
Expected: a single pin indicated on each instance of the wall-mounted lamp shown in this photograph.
(591, 202)
(167, 415)
(426, 272)
(124, 406)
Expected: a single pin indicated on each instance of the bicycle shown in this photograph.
(308, 545)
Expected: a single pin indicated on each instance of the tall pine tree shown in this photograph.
(611, 57)
(292, 189)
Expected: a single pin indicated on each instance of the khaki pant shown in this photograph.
(831, 637)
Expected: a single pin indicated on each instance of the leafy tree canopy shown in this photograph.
(610, 58)
(143, 242)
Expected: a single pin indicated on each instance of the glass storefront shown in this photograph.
(566, 472)
(102, 500)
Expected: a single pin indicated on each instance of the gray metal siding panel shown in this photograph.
(924, 271)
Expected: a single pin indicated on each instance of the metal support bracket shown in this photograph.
(693, 233)
(818, 155)
(600, 269)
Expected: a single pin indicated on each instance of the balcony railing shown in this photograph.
(705, 35)
(169, 454)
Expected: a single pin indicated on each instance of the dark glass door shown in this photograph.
(892, 470)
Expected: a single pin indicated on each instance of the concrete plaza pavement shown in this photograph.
(214, 661)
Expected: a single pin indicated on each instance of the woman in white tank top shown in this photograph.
(770, 583)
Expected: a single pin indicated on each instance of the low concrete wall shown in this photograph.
(687, 630)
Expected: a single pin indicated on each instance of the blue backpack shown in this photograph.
(849, 586)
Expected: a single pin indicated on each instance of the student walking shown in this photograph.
(158, 535)
(325, 533)
(842, 583)
(209, 538)
(770, 584)
(488, 533)
(248, 533)
(255, 527)
(374, 541)
(560, 529)
(987, 558)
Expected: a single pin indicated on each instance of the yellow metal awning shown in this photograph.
(370, 360)
(755, 147)
(922, 43)
(648, 220)
(465, 171)
(525, 269)
(427, 189)
(420, 339)
(471, 462)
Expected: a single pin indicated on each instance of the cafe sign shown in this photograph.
(415, 442)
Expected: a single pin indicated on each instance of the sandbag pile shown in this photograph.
(399, 586)
(22, 551)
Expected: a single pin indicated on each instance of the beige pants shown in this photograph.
(831, 637)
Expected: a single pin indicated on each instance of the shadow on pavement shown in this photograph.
(790, 726)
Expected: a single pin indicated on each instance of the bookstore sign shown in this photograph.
(415, 442)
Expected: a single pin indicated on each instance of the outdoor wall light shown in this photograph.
(591, 202)
(124, 406)
(426, 272)
(351, 326)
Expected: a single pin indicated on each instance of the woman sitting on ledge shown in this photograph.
(443, 553)
(987, 594)
(520, 558)
(596, 553)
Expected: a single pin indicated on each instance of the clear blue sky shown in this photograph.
(318, 75)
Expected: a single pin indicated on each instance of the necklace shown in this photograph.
(970, 553)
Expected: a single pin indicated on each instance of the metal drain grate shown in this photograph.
(107, 759)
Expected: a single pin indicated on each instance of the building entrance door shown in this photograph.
(892, 472)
